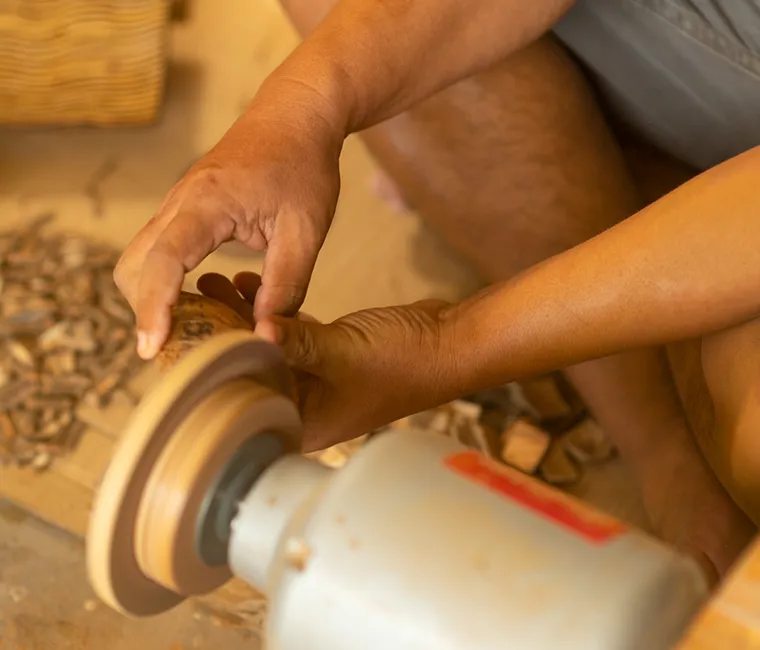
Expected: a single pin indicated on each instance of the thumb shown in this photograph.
(302, 342)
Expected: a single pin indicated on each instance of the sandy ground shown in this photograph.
(46, 603)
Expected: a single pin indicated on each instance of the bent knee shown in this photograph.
(731, 365)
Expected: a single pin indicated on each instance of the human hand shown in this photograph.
(271, 183)
(361, 371)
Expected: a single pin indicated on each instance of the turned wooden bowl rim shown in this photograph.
(112, 561)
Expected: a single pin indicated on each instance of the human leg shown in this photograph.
(513, 166)
(718, 378)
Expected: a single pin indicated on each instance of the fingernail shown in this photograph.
(146, 345)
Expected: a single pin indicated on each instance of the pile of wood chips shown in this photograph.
(538, 426)
(66, 340)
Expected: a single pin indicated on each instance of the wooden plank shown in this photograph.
(49, 495)
(109, 420)
(63, 495)
(87, 463)
(731, 619)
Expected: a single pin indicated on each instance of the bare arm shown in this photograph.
(687, 265)
(272, 181)
(372, 59)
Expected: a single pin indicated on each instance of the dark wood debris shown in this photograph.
(537, 426)
(66, 337)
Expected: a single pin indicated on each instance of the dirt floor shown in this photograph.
(107, 183)
(46, 603)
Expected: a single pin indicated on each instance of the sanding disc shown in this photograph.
(185, 475)
(114, 570)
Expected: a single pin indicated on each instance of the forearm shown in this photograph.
(371, 59)
(685, 266)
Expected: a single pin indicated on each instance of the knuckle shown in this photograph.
(120, 275)
(215, 188)
(202, 183)
(207, 175)
(125, 280)
(210, 178)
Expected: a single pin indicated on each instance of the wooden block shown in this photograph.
(338, 455)
(332, 457)
(469, 410)
(524, 446)
(545, 397)
(494, 419)
(89, 460)
(440, 422)
(587, 443)
(520, 402)
(437, 420)
(558, 468)
(404, 424)
(350, 447)
(109, 419)
(484, 439)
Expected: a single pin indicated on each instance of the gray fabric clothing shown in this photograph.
(684, 73)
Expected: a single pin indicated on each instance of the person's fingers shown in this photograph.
(288, 266)
(155, 298)
(248, 284)
(128, 270)
(183, 244)
(302, 342)
(219, 287)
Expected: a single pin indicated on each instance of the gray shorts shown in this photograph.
(684, 73)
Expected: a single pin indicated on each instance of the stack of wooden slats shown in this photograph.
(82, 61)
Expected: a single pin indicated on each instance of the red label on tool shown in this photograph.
(552, 504)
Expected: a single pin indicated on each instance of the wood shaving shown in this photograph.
(66, 336)
(297, 553)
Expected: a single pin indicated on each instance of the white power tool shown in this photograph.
(417, 543)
